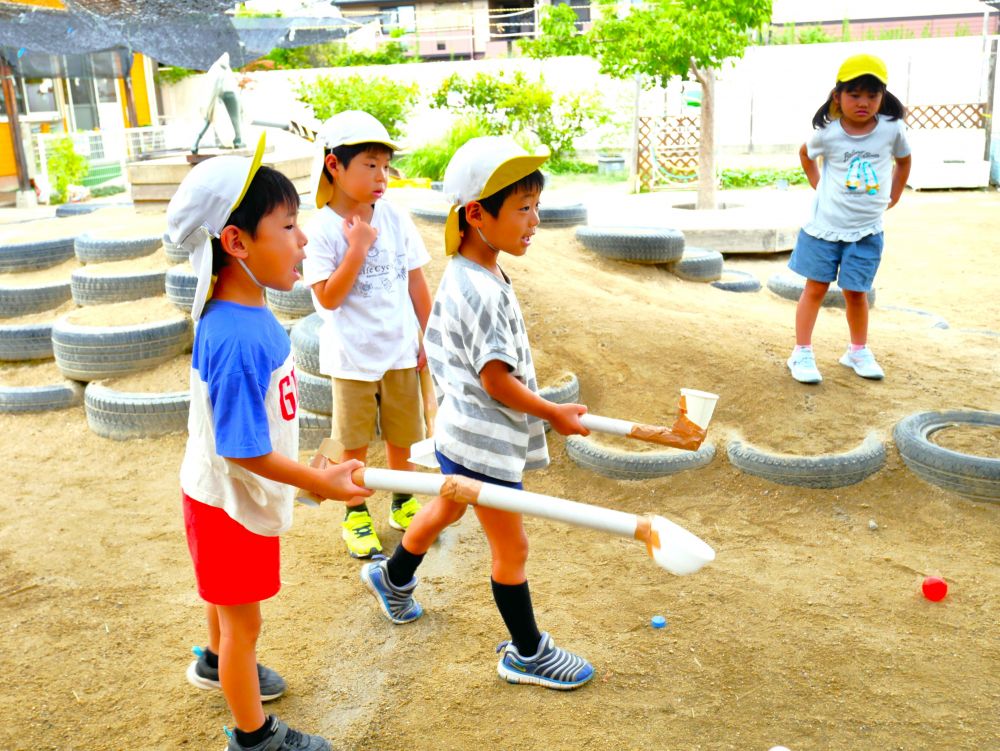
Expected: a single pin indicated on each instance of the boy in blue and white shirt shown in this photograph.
(240, 469)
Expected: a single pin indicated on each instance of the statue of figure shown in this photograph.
(223, 83)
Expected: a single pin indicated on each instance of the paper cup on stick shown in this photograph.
(700, 406)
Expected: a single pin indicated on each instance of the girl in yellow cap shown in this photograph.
(859, 133)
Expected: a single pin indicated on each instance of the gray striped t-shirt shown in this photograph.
(476, 319)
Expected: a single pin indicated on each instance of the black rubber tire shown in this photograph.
(976, 477)
(635, 245)
(91, 249)
(567, 215)
(305, 343)
(313, 429)
(30, 341)
(76, 209)
(92, 353)
(94, 289)
(635, 465)
(737, 281)
(436, 214)
(20, 301)
(122, 415)
(180, 283)
(295, 302)
(698, 265)
(40, 398)
(566, 390)
(38, 254)
(822, 471)
(175, 253)
(315, 392)
(789, 286)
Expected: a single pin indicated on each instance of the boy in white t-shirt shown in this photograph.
(364, 264)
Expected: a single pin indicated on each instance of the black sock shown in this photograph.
(514, 603)
(351, 509)
(402, 566)
(398, 499)
(258, 736)
(212, 659)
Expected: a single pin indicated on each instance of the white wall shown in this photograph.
(765, 101)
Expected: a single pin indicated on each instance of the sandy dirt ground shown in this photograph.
(809, 630)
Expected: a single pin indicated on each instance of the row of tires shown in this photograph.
(87, 247)
(124, 415)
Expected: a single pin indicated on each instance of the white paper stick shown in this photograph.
(606, 424)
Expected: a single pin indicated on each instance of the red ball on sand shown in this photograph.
(934, 588)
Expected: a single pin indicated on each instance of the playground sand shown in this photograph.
(808, 630)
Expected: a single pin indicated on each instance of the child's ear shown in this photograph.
(231, 238)
(474, 213)
(330, 161)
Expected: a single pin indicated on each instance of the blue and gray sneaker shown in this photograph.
(201, 675)
(550, 667)
(283, 738)
(397, 603)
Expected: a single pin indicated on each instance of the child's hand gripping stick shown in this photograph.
(672, 547)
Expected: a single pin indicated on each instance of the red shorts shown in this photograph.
(233, 565)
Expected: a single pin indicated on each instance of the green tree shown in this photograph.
(65, 167)
(664, 38)
(386, 100)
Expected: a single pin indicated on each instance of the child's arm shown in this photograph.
(360, 237)
(420, 296)
(809, 166)
(900, 174)
(333, 482)
(499, 383)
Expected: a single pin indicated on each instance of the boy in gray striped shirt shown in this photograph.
(489, 423)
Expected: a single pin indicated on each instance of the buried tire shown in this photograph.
(94, 289)
(698, 265)
(315, 392)
(40, 398)
(436, 214)
(295, 302)
(31, 341)
(90, 353)
(790, 287)
(737, 281)
(975, 477)
(634, 245)
(313, 429)
(635, 465)
(94, 249)
(568, 215)
(821, 471)
(180, 283)
(122, 415)
(21, 301)
(566, 390)
(305, 343)
(39, 254)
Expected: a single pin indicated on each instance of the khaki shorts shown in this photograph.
(393, 402)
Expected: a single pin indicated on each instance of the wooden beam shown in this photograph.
(14, 123)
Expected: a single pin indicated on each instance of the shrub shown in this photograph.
(65, 167)
(431, 159)
(755, 178)
(338, 54)
(386, 100)
(510, 105)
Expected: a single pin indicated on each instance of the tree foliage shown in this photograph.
(386, 100)
(558, 35)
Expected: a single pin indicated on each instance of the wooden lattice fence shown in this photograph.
(933, 116)
(668, 151)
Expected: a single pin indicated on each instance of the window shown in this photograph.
(41, 95)
(402, 18)
(511, 19)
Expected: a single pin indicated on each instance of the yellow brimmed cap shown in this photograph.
(198, 211)
(480, 168)
(347, 128)
(863, 65)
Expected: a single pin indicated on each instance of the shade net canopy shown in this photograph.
(53, 37)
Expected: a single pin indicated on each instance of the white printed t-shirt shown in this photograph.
(475, 319)
(375, 328)
(864, 162)
(244, 403)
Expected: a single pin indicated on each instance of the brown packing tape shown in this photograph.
(330, 451)
(644, 533)
(683, 434)
(460, 489)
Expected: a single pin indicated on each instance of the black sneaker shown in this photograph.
(201, 675)
(282, 739)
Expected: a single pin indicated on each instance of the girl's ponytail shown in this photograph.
(891, 107)
(826, 114)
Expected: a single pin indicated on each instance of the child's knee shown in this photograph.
(513, 551)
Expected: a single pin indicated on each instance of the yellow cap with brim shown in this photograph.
(348, 128)
(205, 199)
(480, 168)
(863, 65)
